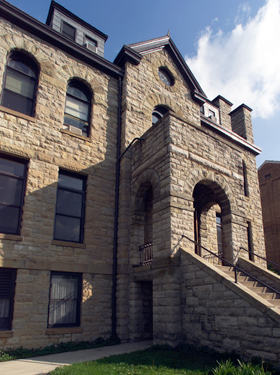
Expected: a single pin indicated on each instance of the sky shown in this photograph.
(231, 46)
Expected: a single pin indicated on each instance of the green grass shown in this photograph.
(183, 360)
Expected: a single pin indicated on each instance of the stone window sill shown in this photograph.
(6, 334)
(10, 237)
(65, 131)
(17, 114)
(68, 244)
(63, 330)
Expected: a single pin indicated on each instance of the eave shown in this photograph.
(230, 135)
(40, 30)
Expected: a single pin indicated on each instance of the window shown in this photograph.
(20, 84)
(68, 31)
(12, 189)
(65, 300)
(7, 291)
(70, 207)
(245, 179)
(90, 43)
(158, 113)
(77, 107)
(165, 77)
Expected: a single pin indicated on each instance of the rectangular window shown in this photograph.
(245, 179)
(68, 30)
(65, 299)
(7, 291)
(70, 207)
(12, 189)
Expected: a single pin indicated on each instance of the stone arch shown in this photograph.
(70, 72)
(149, 176)
(152, 100)
(208, 194)
(198, 175)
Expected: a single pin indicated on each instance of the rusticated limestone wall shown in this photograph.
(224, 316)
(47, 146)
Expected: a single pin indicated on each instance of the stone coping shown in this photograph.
(260, 303)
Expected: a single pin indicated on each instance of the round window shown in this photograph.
(165, 77)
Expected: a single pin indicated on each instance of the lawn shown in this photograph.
(184, 360)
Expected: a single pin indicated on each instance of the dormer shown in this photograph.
(75, 29)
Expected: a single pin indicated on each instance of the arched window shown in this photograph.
(77, 107)
(158, 112)
(20, 84)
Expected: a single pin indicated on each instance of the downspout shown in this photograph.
(115, 244)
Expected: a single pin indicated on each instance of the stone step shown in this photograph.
(275, 302)
(253, 285)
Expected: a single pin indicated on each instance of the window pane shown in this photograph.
(62, 312)
(76, 108)
(4, 308)
(12, 167)
(22, 67)
(20, 84)
(17, 103)
(77, 123)
(75, 91)
(9, 218)
(10, 190)
(67, 229)
(63, 300)
(64, 287)
(70, 182)
(68, 31)
(69, 203)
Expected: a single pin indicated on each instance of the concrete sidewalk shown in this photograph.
(47, 363)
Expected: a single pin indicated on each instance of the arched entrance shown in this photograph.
(212, 221)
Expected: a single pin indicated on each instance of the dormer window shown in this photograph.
(68, 31)
(90, 44)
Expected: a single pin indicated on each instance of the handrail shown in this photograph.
(267, 260)
(236, 268)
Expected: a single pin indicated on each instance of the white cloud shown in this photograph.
(244, 64)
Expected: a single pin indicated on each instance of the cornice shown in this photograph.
(40, 30)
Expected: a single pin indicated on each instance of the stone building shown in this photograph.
(269, 178)
(108, 172)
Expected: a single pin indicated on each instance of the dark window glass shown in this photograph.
(77, 107)
(65, 300)
(219, 233)
(245, 180)
(7, 290)
(68, 31)
(20, 85)
(158, 112)
(165, 77)
(12, 188)
(70, 206)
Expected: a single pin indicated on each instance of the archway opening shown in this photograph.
(212, 222)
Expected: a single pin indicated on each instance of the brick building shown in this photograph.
(269, 178)
(104, 168)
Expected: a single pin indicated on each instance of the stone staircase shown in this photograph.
(255, 286)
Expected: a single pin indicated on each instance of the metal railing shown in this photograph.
(267, 260)
(235, 268)
(146, 254)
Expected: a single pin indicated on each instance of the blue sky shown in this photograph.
(232, 47)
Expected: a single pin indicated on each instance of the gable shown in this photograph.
(135, 52)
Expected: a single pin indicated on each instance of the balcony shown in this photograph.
(146, 254)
